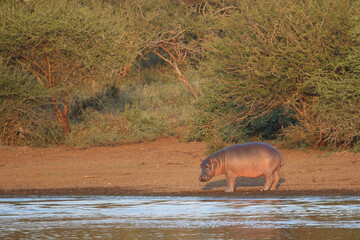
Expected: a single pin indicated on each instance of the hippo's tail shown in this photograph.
(282, 160)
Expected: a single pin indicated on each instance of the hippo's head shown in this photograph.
(207, 169)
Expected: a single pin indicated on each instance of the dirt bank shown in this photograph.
(164, 167)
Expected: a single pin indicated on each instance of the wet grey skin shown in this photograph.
(255, 159)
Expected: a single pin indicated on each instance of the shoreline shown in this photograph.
(118, 191)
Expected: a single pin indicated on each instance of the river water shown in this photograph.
(119, 217)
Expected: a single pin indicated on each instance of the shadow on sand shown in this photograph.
(241, 182)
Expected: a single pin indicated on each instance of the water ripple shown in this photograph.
(38, 214)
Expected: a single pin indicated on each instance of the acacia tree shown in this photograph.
(70, 45)
(163, 28)
(64, 44)
(264, 56)
(24, 105)
(173, 51)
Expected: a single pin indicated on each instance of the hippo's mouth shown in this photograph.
(204, 179)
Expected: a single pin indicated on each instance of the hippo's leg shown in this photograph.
(231, 182)
(276, 180)
(269, 178)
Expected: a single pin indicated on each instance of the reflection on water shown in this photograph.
(108, 217)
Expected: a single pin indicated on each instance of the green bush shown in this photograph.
(107, 129)
(97, 129)
(332, 115)
(337, 106)
(25, 111)
(69, 46)
(264, 58)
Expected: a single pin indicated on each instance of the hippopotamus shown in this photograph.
(254, 159)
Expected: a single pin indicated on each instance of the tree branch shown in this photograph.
(163, 58)
(166, 50)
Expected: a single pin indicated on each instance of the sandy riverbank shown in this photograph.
(164, 167)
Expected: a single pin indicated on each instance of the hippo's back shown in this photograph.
(253, 151)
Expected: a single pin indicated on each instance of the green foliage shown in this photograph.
(24, 111)
(265, 69)
(72, 45)
(263, 55)
(332, 118)
(64, 44)
(73, 48)
(96, 129)
(337, 105)
(296, 136)
(111, 99)
(76, 36)
(142, 114)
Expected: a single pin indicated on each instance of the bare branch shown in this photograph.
(163, 58)
(34, 62)
(166, 50)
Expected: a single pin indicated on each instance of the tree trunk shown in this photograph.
(183, 79)
(62, 115)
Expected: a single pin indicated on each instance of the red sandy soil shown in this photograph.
(164, 167)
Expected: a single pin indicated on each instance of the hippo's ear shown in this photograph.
(212, 161)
